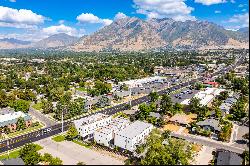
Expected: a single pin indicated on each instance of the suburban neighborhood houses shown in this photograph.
(199, 111)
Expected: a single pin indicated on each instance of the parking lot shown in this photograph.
(71, 153)
(148, 87)
(181, 96)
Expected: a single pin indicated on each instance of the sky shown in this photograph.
(33, 20)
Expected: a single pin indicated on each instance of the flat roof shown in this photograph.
(115, 124)
(134, 129)
(91, 119)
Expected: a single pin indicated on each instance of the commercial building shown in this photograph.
(9, 118)
(133, 135)
(105, 135)
(206, 97)
(140, 82)
(87, 126)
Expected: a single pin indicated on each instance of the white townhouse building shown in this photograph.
(132, 135)
(106, 134)
(87, 126)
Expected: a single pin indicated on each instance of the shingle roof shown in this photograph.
(13, 161)
(210, 122)
(228, 158)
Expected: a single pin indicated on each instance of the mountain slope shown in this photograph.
(11, 43)
(124, 34)
(56, 40)
(134, 34)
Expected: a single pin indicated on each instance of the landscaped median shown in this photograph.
(25, 131)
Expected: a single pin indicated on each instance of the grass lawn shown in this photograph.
(82, 89)
(58, 138)
(81, 143)
(15, 153)
(38, 106)
(25, 131)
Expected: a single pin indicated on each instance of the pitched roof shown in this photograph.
(210, 122)
(13, 161)
(228, 158)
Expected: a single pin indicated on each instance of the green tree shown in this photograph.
(20, 125)
(46, 157)
(245, 156)
(29, 154)
(21, 105)
(71, 133)
(166, 134)
(47, 107)
(144, 111)
(166, 104)
(80, 163)
(178, 108)
(218, 113)
(154, 96)
(194, 105)
(55, 161)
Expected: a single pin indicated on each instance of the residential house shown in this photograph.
(224, 157)
(210, 124)
(9, 118)
(12, 161)
(133, 135)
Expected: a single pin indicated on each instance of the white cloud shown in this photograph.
(60, 29)
(232, 1)
(19, 18)
(217, 11)
(61, 21)
(176, 9)
(241, 20)
(91, 18)
(120, 15)
(210, 2)
(12, 0)
(241, 5)
(106, 21)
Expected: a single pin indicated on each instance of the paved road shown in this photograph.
(210, 143)
(48, 122)
(53, 130)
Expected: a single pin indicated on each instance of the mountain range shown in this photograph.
(54, 41)
(134, 34)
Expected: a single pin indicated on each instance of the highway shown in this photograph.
(55, 129)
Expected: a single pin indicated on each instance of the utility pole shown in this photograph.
(130, 96)
(63, 111)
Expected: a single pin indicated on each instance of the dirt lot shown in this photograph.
(171, 127)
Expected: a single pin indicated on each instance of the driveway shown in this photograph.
(71, 153)
(41, 117)
(204, 156)
(239, 141)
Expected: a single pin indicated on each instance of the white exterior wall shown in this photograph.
(130, 143)
(88, 129)
(103, 138)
